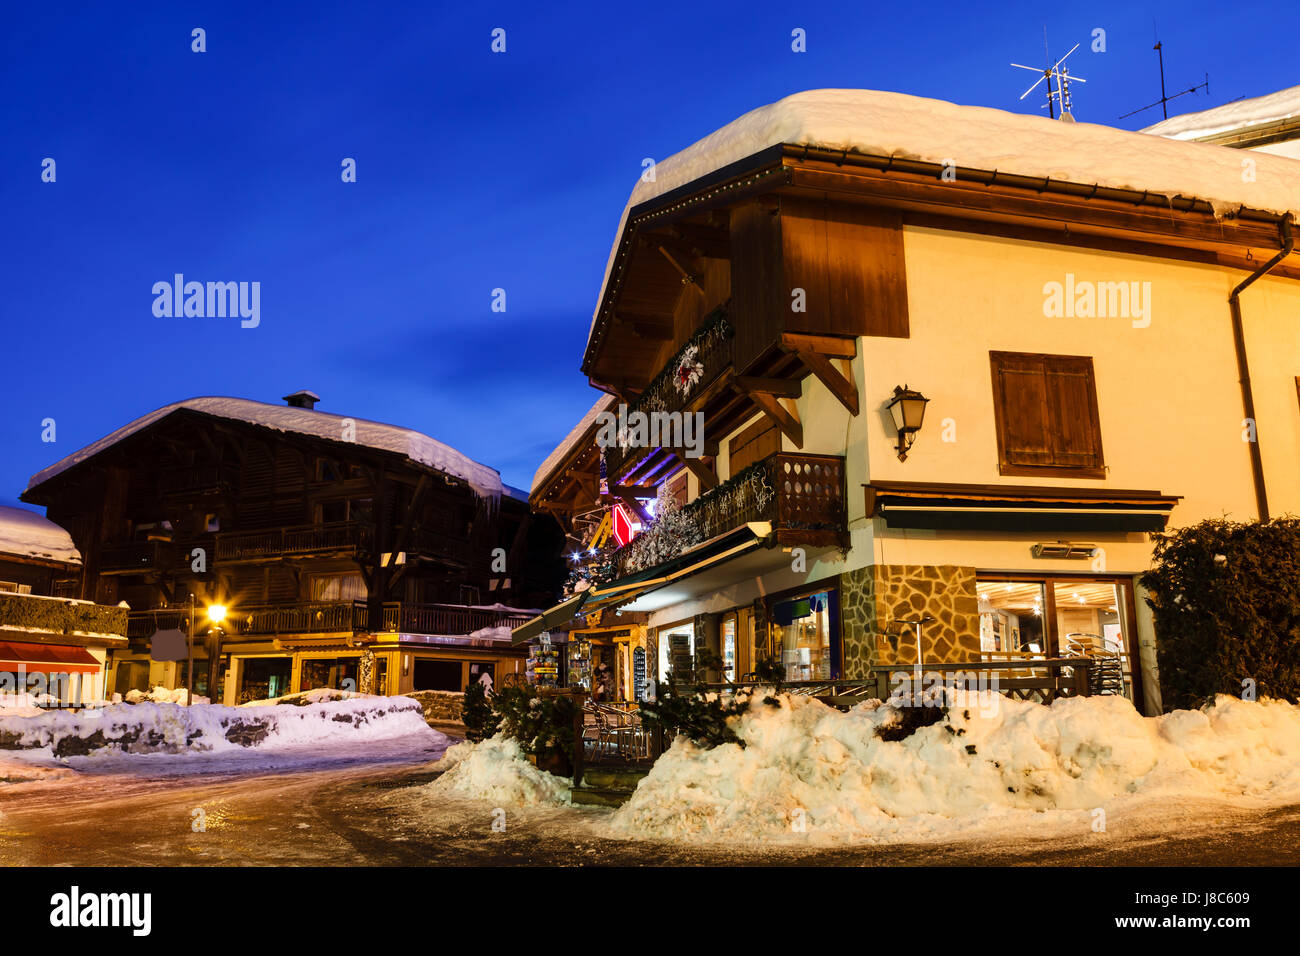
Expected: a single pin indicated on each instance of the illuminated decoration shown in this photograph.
(626, 526)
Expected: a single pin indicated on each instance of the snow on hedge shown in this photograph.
(169, 728)
(990, 759)
(498, 771)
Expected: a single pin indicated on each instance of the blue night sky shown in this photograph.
(475, 171)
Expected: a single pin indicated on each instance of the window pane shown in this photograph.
(1011, 619)
(1090, 622)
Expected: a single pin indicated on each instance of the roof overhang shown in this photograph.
(628, 590)
(1034, 208)
(1016, 508)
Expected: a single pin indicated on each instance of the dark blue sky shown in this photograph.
(475, 171)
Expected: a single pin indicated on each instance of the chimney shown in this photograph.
(302, 399)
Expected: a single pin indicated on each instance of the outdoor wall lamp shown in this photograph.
(907, 408)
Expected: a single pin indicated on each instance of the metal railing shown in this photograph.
(449, 619)
(303, 539)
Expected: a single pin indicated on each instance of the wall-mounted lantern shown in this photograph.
(907, 408)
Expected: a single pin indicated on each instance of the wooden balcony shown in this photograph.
(801, 495)
(697, 365)
(136, 557)
(273, 543)
(328, 617)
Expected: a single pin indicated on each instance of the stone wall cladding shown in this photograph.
(871, 597)
(440, 706)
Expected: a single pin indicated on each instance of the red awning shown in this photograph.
(47, 658)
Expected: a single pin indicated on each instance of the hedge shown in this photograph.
(1226, 602)
(22, 611)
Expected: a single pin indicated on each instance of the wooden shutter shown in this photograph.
(1045, 409)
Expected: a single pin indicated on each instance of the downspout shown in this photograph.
(1243, 368)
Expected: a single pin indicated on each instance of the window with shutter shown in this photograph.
(1045, 411)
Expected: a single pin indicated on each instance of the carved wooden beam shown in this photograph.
(786, 388)
(688, 278)
(786, 419)
(838, 381)
(828, 345)
(636, 508)
(699, 468)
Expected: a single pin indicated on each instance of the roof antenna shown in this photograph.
(1163, 102)
(1061, 74)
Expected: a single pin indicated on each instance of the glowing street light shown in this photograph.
(216, 613)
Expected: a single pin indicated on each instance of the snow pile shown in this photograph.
(162, 695)
(417, 446)
(808, 768)
(320, 695)
(498, 771)
(24, 704)
(30, 535)
(203, 728)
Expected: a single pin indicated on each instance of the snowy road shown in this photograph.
(374, 810)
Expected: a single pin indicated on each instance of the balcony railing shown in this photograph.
(446, 618)
(704, 356)
(801, 495)
(135, 557)
(281, 542)
(322, 617)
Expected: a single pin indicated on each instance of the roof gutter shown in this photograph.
(1243, 367)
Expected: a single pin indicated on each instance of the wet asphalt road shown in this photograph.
(367, 815)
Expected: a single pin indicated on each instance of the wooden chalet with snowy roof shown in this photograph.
(52, 644)
(347, 553)
(955, 368)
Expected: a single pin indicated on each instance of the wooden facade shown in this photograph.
(315, 546)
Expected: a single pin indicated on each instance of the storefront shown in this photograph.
(1024, 616)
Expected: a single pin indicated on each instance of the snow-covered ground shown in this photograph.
(168, 739)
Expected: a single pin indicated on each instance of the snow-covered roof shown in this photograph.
(1241, 115)
(570, 440)
(977, 137)
(29, 535)
(417, 446)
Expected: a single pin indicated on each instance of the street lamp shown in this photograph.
(907, 408)
(216, 614)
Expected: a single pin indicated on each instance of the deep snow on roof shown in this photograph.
(417, 446)
(29, 535)
(570, 440)
(977, 137)
(1272, 108)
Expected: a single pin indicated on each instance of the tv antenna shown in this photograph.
(1163, 102)
(1061, 74)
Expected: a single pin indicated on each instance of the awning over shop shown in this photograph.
(626, 589)
(47, 658)
(944, 506)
